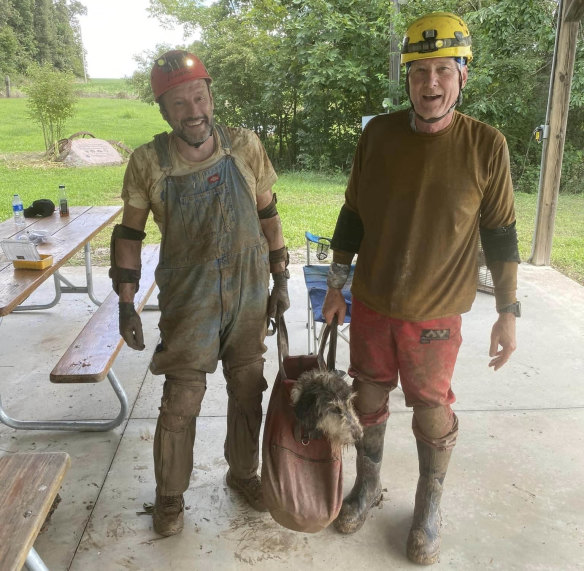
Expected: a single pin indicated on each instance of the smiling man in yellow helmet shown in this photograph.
(425, 183)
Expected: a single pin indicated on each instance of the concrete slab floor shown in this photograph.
(512, 496)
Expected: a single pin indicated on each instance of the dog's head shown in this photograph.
(324, 401)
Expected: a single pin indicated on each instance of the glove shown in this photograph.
(279, 301)
(131, 326)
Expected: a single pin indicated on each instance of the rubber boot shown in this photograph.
(424, 538)
(366, 492)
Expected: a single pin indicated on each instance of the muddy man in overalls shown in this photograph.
(209, 190)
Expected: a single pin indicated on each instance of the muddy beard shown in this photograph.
(191, 141)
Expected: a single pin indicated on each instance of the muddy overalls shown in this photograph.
(213, 277)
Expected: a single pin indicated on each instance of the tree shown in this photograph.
(68, 54)
(46, 31)
(301, 73)
(51, 101)
(9, 46)
(19, 18)
(341, 49)
(140, 80)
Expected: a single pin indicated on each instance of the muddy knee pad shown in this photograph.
(436, 426)
(181, 402)
(246, 383)
(367, 399)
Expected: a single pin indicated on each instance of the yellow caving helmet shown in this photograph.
(439, 34)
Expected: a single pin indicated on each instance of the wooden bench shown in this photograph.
(29, 483)
(90, 357)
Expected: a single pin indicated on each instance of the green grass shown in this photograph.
(307, 201)
(567, 254)
(129, 121)
(98, 87)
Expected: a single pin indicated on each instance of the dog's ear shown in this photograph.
(305, 408)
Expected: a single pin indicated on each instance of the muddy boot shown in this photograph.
(168, 513)
(424, 538)
(366, 492)
(250, 489)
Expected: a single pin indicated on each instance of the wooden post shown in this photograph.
(553, 145)
(7, 83)
(574, 10)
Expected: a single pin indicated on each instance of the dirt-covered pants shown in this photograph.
(213, 278)
(176, 427)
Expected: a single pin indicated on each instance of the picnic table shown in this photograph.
(66, 236)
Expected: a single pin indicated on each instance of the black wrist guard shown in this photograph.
(123, 275)
(279, 255)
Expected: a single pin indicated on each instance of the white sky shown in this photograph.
(113, 31)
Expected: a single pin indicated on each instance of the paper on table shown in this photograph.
(19, 250)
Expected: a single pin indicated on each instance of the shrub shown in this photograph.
(572, 170)
(51, 101)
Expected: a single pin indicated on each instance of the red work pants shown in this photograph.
(421, 355)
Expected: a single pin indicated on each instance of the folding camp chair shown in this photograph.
(315, 279)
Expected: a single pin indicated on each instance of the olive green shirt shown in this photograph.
(421, 198)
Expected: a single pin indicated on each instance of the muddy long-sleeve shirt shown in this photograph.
(421, 198)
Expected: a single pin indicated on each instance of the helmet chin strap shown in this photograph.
(434, 119)
(198, 143)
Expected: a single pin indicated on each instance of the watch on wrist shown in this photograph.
(514, 308)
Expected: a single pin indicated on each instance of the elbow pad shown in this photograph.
(500, 244)
(348, 231)
(123, 275)
(270, 210)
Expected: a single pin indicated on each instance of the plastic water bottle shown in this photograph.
(18, 209)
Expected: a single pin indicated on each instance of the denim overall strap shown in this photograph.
(161, 146)
(225, 139)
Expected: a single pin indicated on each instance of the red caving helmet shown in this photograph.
(173, 68)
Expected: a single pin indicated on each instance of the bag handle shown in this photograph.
(284, 347)
(330, 330)
(282, 342)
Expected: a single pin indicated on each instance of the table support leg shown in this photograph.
(75, 425)
(34, 562)
(68, 287)
(57, 277)
(89, 275)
